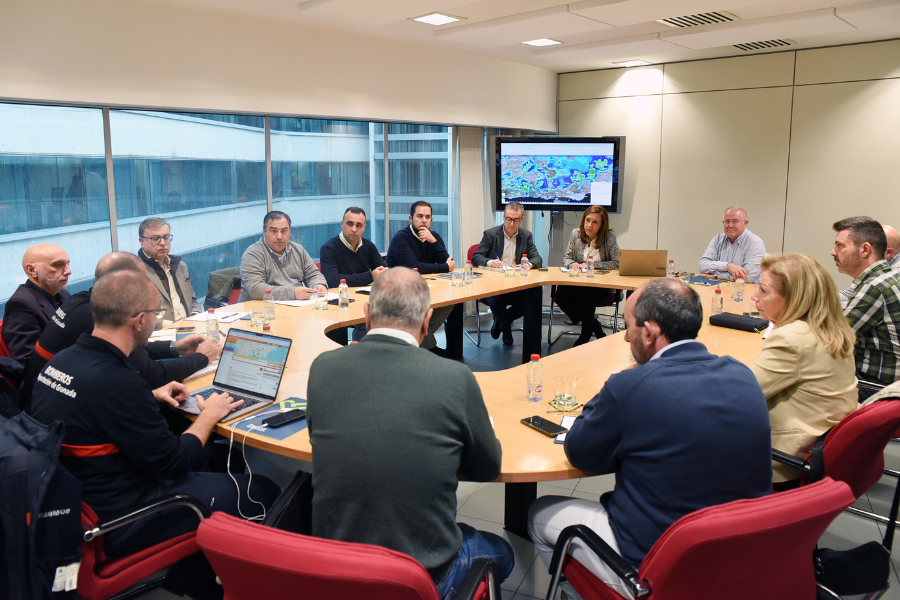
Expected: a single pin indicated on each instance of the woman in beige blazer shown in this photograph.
(806, 368)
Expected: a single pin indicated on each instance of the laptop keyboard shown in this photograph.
(248, 401)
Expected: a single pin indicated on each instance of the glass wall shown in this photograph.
(53, 189)
(206, 175)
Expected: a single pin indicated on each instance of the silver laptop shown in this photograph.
(643, 263)
(250, 369)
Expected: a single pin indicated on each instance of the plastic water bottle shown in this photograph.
(526, 265)
(344, 294)
(269, 306)
(534, 379)
(670, 269)
(590, 263)
(739, 289)
(717, 302)
(470, 274)
(212, 325)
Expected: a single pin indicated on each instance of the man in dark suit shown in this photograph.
(505, 245)
(386, 455)
(663, 427)
(29, 309)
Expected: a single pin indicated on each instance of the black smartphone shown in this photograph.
(544, 426)
(284, 418)
(334, 301)
(366, 292)
(183, 329)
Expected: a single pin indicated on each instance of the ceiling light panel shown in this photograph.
(542, 42)
(633, 63)
(798, 25)
(436, 19)
(871, 14)
(555, 22)
(631, 12)
(607, 51)
(374, 14)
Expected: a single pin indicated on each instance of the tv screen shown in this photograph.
(560, 173)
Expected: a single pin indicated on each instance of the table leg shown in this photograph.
(454, 332)
(518, 498)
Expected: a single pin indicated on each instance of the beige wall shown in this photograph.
(150, 54)
(800, 139)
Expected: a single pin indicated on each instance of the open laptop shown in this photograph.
(250, 369)
(643, 263)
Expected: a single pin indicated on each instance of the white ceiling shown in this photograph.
(595, 33)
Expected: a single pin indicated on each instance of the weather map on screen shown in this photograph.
(558, 173)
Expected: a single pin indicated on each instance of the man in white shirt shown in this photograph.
(168, 273)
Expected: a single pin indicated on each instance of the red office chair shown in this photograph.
(759, 548)
(100, 577)
(254, 561)
(4, 349)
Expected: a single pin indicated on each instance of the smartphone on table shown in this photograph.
(284, 418)
(547, 427)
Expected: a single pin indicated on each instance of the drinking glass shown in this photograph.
(458, 278)
(565, 391)
(321, 298)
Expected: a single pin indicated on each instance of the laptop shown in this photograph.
(250, 369)
(643, 263)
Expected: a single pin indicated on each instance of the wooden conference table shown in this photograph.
(528, 456)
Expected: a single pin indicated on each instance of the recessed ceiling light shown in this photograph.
(437, 19)
(542, 42)
(633, 63)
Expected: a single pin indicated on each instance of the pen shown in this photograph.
(226, 315)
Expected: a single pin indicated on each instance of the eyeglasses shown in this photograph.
(511, 220)
(159, 312)
(155, 239)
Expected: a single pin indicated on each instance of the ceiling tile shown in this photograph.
(871, 14)
(609, 50)
(376, 13)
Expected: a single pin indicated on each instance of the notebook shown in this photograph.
(250, 369)
(643, 263)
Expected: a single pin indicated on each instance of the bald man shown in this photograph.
(734, 253)
(891, 255)
(29, 309)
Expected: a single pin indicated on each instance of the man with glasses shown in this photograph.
(168, 273)
(117, 442)
(735, 253)
(505, 245)
(29, 309)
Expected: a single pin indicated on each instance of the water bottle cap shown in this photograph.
(266, 328)
(524, 256)
(416, 269)
(535, 357)
(343, 281)
(671, 260)
(354, 342)
(211, 310)
(268, 291)
(469, 261)
(740, 276)
(718, 291)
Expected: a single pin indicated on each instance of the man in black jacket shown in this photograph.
(116, 441)
(33, 303)
(157, 362)
(504, 246)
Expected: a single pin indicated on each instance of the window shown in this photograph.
(53, 189)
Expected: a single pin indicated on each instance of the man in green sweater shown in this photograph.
(386, 452)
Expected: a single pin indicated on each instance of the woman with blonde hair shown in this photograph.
(592, 237)
(806, 368)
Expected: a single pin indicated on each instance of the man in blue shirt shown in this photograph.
(663, 428)
(735, 253)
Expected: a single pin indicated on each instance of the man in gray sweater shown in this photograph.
(278, 264)
(386, 453)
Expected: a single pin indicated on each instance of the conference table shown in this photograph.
(528, 456)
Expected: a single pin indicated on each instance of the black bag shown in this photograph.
(292, 511)
(860, 570)
(742, 322)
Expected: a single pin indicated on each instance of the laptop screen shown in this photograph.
(252, 362)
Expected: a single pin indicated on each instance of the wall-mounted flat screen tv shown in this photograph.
(560, 173)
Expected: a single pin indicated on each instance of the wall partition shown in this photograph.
(206, 174)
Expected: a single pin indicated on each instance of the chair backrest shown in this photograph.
(253, 561)
(854, 450)
(4, 349)
(471, 252)
(758, 548)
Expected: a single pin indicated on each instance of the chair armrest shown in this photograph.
(791, 461)
(596, 545)
(480, 568)
(145, 511)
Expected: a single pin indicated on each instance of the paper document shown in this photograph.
(566, 422)
(311, 301)
(224, 316)
(163, 335)
(210, 368)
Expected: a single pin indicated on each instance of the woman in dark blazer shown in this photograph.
(592, 237)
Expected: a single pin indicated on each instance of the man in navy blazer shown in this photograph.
(505, 245)
(29, 309)
(663, 427)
